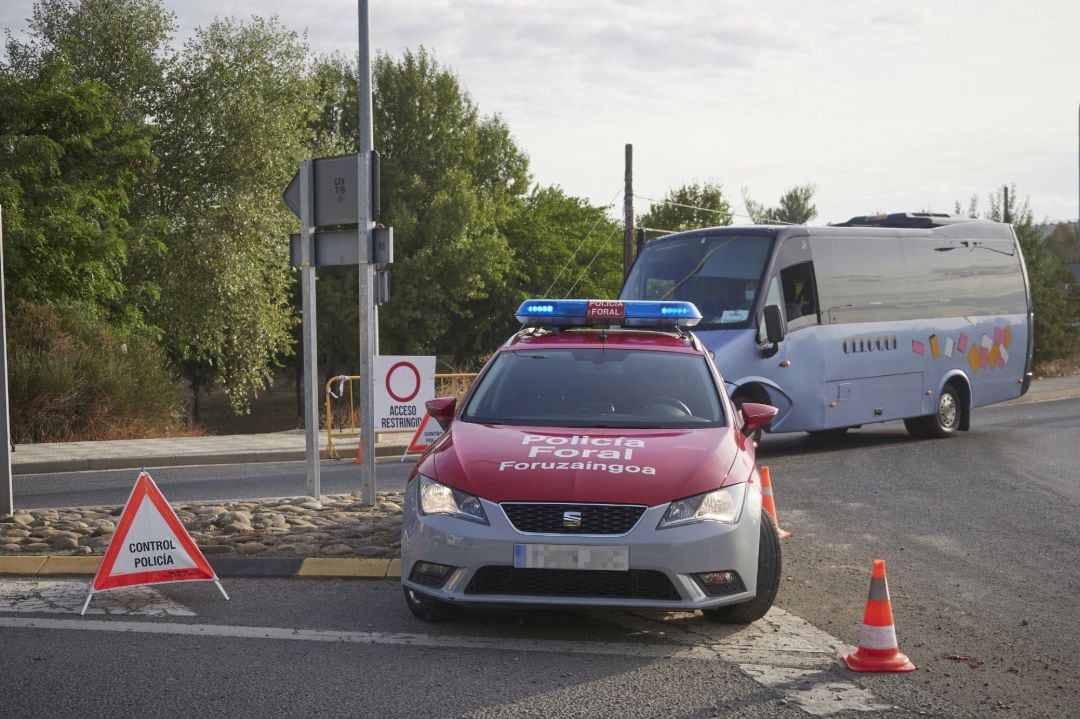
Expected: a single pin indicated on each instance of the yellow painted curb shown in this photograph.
(70, 565)
(349, 567)
(21, 565)
(394, 570)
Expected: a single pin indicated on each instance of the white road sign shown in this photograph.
(402, 385)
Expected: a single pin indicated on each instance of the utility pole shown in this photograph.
(1005, 206)
(628, 212)
(7, 498)
(368, 340)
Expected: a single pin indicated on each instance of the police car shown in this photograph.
(596, 461)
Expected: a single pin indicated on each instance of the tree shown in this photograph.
(233, 121)
(562, 247)
(121, 43)
(67, 168)
(451, 179)
(1054, 294)
(687, 208)
(796, 207)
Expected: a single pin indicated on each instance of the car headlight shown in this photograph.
(720, 505)
(436, 498)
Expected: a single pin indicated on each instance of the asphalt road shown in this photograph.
(210, 482)
(979, 534)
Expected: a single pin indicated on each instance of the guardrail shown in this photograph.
(347, 416)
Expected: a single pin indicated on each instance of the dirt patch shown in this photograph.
(1063, 367)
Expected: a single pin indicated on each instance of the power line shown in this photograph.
(582, 242)
(586, 268)
(771, 220)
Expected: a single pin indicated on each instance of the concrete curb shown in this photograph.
(89, 464)
(307, 567)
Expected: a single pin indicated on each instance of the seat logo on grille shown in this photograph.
(571, 520)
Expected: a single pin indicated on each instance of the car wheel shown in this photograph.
(768, 581)
(427, 609)
(944, 422)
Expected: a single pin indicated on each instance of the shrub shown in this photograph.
(74, 377)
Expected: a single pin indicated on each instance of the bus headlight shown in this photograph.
(720, 505)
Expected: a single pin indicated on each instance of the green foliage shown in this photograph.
(116, 42)
(450, 182)
(563, 247)
(233, 119)
(1054, 294)
(796, 208)
(67, 167)
(73, 377)
(688, 208)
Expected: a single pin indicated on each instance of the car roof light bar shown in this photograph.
(624, 313)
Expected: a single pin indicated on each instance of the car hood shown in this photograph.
(556, 464)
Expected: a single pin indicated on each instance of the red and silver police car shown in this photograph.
(596, 461)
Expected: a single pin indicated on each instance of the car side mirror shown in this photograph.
(774, 324)
(756, 416)
(442, 410)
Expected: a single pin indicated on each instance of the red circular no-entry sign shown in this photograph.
(407, 367)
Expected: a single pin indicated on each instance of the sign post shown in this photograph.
(7, 497)
(321, 196)
(366, 280)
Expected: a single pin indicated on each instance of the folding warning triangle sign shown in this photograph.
(426, 434)
(150, 546)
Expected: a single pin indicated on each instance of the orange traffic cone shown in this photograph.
(359, 451)
(769, 503)
(877, 650)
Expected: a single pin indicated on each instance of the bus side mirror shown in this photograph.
(774, 324)
(442, 410)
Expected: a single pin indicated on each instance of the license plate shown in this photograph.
(571, 556)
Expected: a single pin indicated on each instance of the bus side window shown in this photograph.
(800, 299)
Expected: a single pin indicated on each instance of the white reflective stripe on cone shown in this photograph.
(877, 637)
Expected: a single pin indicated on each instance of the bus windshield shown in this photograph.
(720, 273)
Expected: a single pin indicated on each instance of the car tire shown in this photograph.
(944, 422)
(429, 609)
(768, 581)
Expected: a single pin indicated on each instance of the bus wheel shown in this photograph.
(942, 423)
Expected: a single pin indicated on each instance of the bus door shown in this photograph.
(795, 364)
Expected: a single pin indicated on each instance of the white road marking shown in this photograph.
(66, 597)
(782, 652)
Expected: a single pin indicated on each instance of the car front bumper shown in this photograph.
(662, 562)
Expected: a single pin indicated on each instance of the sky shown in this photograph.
(883, 106)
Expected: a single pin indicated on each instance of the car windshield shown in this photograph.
(721, 274)
(597, 388)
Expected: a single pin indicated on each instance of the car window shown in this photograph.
(596, 388)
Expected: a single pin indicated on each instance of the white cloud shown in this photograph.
(883, 105)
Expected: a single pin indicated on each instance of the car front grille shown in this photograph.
(577, 583)
(538, 518)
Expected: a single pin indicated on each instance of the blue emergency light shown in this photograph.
(625, 313)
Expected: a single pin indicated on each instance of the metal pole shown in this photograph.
(367, 269)
(311, 356)
(628, 211)
(7, 497)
